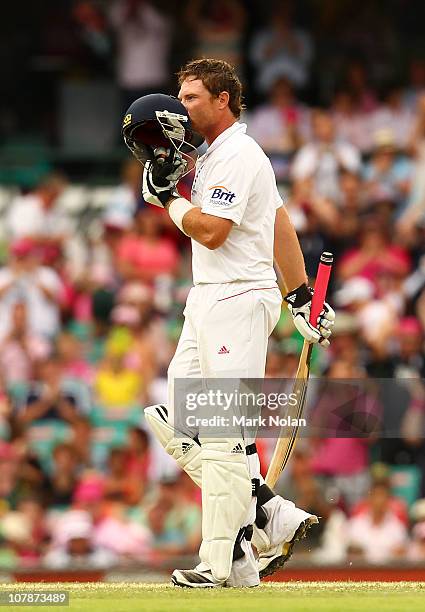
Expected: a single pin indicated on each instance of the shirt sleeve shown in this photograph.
(227, 189)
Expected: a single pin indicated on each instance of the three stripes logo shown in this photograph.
(186, 446)
(238, 449)
(223, 351)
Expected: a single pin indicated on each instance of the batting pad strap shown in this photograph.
(177, 210)
(251, 449)
(264, 494)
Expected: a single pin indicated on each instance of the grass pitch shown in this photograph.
(295, 597)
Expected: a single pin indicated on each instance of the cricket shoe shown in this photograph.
(196, 579)
(244, 572)
(275, 558)
(285, 526)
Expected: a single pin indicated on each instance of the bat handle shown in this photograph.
(321, 286)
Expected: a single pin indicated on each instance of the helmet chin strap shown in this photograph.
(175, 132)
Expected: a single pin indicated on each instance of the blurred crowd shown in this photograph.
(91, 304)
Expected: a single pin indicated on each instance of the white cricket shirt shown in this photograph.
(235, 180)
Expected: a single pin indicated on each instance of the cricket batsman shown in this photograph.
(238, 226)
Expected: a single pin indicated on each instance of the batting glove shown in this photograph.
(161, 175)
(299, 305)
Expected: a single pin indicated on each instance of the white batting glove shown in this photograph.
(161, 175)
(299, 305)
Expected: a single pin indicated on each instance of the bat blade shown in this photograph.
(288, 435)
(286, 442)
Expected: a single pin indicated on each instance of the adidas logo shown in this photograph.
(223, 350)
(186, 446)
(238, 449)
(291, 298)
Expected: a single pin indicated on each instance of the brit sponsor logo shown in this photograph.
(221, 194)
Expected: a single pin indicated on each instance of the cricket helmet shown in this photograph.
(158, 120)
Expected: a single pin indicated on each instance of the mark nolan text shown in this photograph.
(270, 421)
(244, 421)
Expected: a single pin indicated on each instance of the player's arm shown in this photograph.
(290, 262)
(287, 251)
(206, 229)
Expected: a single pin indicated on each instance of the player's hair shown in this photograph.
(217, 76)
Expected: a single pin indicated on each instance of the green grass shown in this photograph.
(290, 597)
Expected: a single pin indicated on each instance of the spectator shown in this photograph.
(416, 84)
(9, 476)
(70, 353)
(351, 123)
(120, 484)
(25, 280)
(138, 456)
(145, 254)
(281, 50)
(416, 549)
(356, 82)
(20, 348)
(345, 412)
(143, 336)
(33, 509)
(117, 386)
(15, 531)
(37, 216)
(175, 523)
(122, 535)
(347, 342)
(52, 396)
(5, 413)
(381, 474)
(378, 535)
(281, 124)
(323, 158)
(387, 171)
(123, 202)
(64, 477)
(376, 319)
(415, 211)
(143, 45)
(73, 544)
(351, 204)
(81, 438)
(219, 29)
(393, 116)
(374, 255)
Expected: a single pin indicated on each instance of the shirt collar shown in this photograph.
(233, 129)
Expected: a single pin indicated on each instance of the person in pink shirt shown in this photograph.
(374, 254)
(342, 420)
(145, 254)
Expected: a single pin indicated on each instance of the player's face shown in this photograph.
(201, 106)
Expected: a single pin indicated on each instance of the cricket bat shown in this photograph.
(285, 445)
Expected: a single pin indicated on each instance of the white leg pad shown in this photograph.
(184, 450)
(226, 497)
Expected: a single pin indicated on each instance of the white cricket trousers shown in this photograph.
(225, 333)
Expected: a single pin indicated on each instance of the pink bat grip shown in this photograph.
(321, 286)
